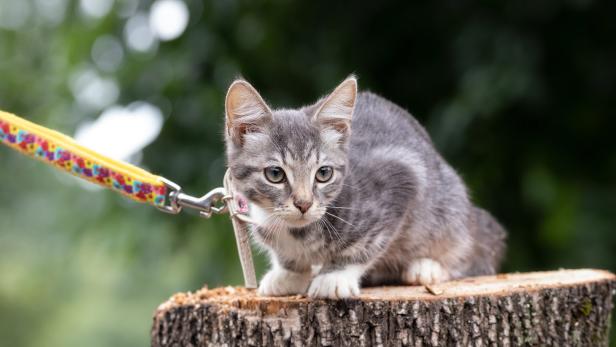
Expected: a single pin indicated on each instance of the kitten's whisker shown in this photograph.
(270, 229)
(329, 231)
(330, 226)
(267, 220)
(342, 208)
(321, 229)
(273, 208)
(333, 215)
(273, 229)
(360, 187)
(276, 226)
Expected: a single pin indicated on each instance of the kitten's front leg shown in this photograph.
(280, 281)
(337, 283)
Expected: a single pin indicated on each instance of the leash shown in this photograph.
(66, 154)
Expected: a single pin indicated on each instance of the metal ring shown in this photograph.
(173, 190)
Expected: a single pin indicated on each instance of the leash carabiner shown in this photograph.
(206, 205)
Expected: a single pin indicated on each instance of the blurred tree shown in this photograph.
(516, 95)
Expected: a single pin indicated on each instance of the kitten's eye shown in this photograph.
(324, 174)
(274, 174)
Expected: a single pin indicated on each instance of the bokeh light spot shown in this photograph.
(107, 53)
(14, 14)
(95, 8)
(52, 11)
(93, 91)
(138, 34)
(122, 132)
(168, 19)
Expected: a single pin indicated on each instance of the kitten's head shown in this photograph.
(289, 162)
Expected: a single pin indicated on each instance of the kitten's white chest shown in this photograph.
(282, 242)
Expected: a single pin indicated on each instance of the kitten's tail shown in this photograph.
(489, 244)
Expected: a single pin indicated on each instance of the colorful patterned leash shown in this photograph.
(64, 153)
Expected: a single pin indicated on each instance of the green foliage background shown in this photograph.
(517, 96)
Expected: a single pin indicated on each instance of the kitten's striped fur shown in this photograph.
(394, 210)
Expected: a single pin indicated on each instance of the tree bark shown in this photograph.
(559, 308)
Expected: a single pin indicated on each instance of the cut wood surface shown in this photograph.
(558, 308)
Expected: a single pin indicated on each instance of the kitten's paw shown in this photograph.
(334, 285)
(425, 271)
(279, 282)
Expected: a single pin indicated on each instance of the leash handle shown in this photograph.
(66, 154)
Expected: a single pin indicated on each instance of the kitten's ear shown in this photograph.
(336, 110)
(245, 111)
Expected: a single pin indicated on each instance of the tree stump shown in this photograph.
(558, 308)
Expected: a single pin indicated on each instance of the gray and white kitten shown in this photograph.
(351, 191)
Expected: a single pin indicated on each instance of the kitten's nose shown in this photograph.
(302, 205)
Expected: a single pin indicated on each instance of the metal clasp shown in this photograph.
(214, 202)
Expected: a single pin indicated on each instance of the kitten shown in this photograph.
(352, 188)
